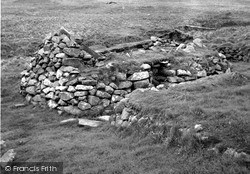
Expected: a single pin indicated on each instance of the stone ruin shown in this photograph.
(68, 76)
(241, 52)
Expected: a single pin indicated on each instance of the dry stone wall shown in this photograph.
(66, 78)
(241, 52)
(54, 79)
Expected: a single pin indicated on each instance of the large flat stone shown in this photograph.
(181, 72)
(140, 76)
(72, 52)
(104, 117)
(89, 123)
(89, 82)
(80, 93)
(125, 85)
(84, 87)
(70, 121)
(72, 82)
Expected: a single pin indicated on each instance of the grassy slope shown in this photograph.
(34, 132)
(24, 23)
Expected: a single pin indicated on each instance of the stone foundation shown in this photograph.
(66, 78)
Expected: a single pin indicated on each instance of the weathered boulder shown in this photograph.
(41, 77)
(31, 90)
(55, 39)
(52, 104)
(59, 73)
(141, 84)
(62, 45)
(50, 95)
(103, 94)
(93, 100)
(125, 114)
(100, 85)
(92, 92)
(202, 73)
(114, 86)
(72, 52)
(83, 105)
(105, 102)
(109, 89)
(60, 55)
(62, 81)
(116, 98)
(66, 96)
(121, 76)
(71, 89)
(62, 103)
(71, 110)
(120, 92)
(47, 82)
(7, 157)
(38, 98)
(32, 82)
(145, 66)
